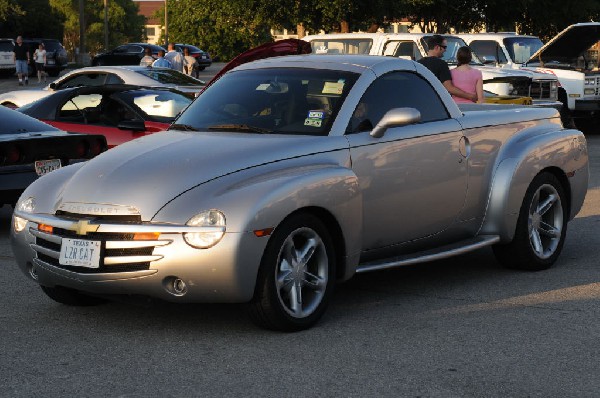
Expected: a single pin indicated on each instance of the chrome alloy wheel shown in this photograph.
(302, 272)
(545, 223)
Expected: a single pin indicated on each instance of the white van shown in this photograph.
(7, 60)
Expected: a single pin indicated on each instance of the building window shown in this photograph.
(150, 31)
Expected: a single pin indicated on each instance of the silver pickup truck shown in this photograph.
(290, 174)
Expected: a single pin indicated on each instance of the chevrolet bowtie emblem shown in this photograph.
(84, 226)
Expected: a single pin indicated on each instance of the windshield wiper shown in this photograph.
(240, 127)
(184, 127)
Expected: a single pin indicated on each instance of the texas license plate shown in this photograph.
(80, 253)
(45, 166)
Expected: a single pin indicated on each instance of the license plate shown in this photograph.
(80, 253)
(204, 56)
(45, 166)
(50, 62)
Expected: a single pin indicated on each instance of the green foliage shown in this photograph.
(29, 18)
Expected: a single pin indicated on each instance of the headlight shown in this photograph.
(25, 206)
(589, 91)
(204, 240)
(590, 81)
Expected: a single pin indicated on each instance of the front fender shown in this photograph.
(563, 152)
(261, 197)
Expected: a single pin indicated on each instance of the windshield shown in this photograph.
(273, 100)
(341, 46)
(170, 76)
(520, 49)
(454, 43)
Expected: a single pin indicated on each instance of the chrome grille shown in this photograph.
(118, 253)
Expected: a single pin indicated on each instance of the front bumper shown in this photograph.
(224, 273)
(587, 105)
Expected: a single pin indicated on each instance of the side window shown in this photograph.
(84, 79)
(488, 48)
(135, 49)
(397, 90)
(402, 49)
(120, 50)
(111, 78)
(81, 108)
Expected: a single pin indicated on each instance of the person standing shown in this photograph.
(39, 57)
(190, 67)
(147, 59)
(21, 58)
(433, 61)
(175, 58)
(465, 77)
(161, 61)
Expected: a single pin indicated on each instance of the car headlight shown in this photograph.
(25, 206)
(590, 81)
(589, 91)
(204, 240)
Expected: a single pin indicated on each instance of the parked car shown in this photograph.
(270, 188)
(56, 55)
(7, 62)
(119, 112)
(202, 57)
(30, 149)
(100, 75)
(126, 54)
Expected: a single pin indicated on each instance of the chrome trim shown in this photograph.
(97, 209)
(48, 252)
(438, 254)
(135, 244)
(84, 226)
(130, 259)
(42, 235)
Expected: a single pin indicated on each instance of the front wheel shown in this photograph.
(541, 227)
(296, 277)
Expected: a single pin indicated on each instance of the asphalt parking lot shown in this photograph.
(460, 327)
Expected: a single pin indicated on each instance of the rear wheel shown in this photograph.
(9, 105)
(296, 277)
(541, 227)
(71, 297)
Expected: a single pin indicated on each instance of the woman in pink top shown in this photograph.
(466, 78)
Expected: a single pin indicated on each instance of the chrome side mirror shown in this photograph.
(396, 117)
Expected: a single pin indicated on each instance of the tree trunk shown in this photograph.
(300, 30)
(344, 27)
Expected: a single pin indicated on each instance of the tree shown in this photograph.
(31, 18)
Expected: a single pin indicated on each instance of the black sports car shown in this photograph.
(30, 148)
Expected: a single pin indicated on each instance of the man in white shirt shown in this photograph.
(175, 58)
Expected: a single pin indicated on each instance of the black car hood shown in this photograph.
(569, 44)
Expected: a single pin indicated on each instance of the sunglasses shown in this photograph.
(444, 47)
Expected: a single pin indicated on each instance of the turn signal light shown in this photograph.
(146, 236)
(259, 233)
(46, 228)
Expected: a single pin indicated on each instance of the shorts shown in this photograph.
(39, 66)
(21, 66)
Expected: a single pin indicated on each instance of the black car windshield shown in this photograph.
(521, 49)
(170, 76)
(273, 100)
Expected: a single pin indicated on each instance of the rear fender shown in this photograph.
(562, 152)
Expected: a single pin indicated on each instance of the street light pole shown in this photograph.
(81, 33)
(166, 24)
(105, 25)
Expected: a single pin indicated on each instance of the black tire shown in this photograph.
(282, 279)
(71, 297)
(541, 227)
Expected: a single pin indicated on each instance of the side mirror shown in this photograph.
(52, 86)
(133, 125)
(396, 117)
(489, 59)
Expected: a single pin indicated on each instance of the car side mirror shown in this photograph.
(133, 125)
(396, 117)
(52, 86)
(489, 60)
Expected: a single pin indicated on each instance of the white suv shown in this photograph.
(7, 60)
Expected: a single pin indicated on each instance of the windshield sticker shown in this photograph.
(316, 115)
(263, 87)
(321, 50)
(333, 88)
(312, 122)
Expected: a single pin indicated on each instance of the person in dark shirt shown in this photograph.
(434, 62)
(21, 58)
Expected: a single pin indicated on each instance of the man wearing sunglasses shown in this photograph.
(433, 61)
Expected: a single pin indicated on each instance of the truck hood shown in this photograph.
(149, 172)
(500, 75)
(566, 46)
